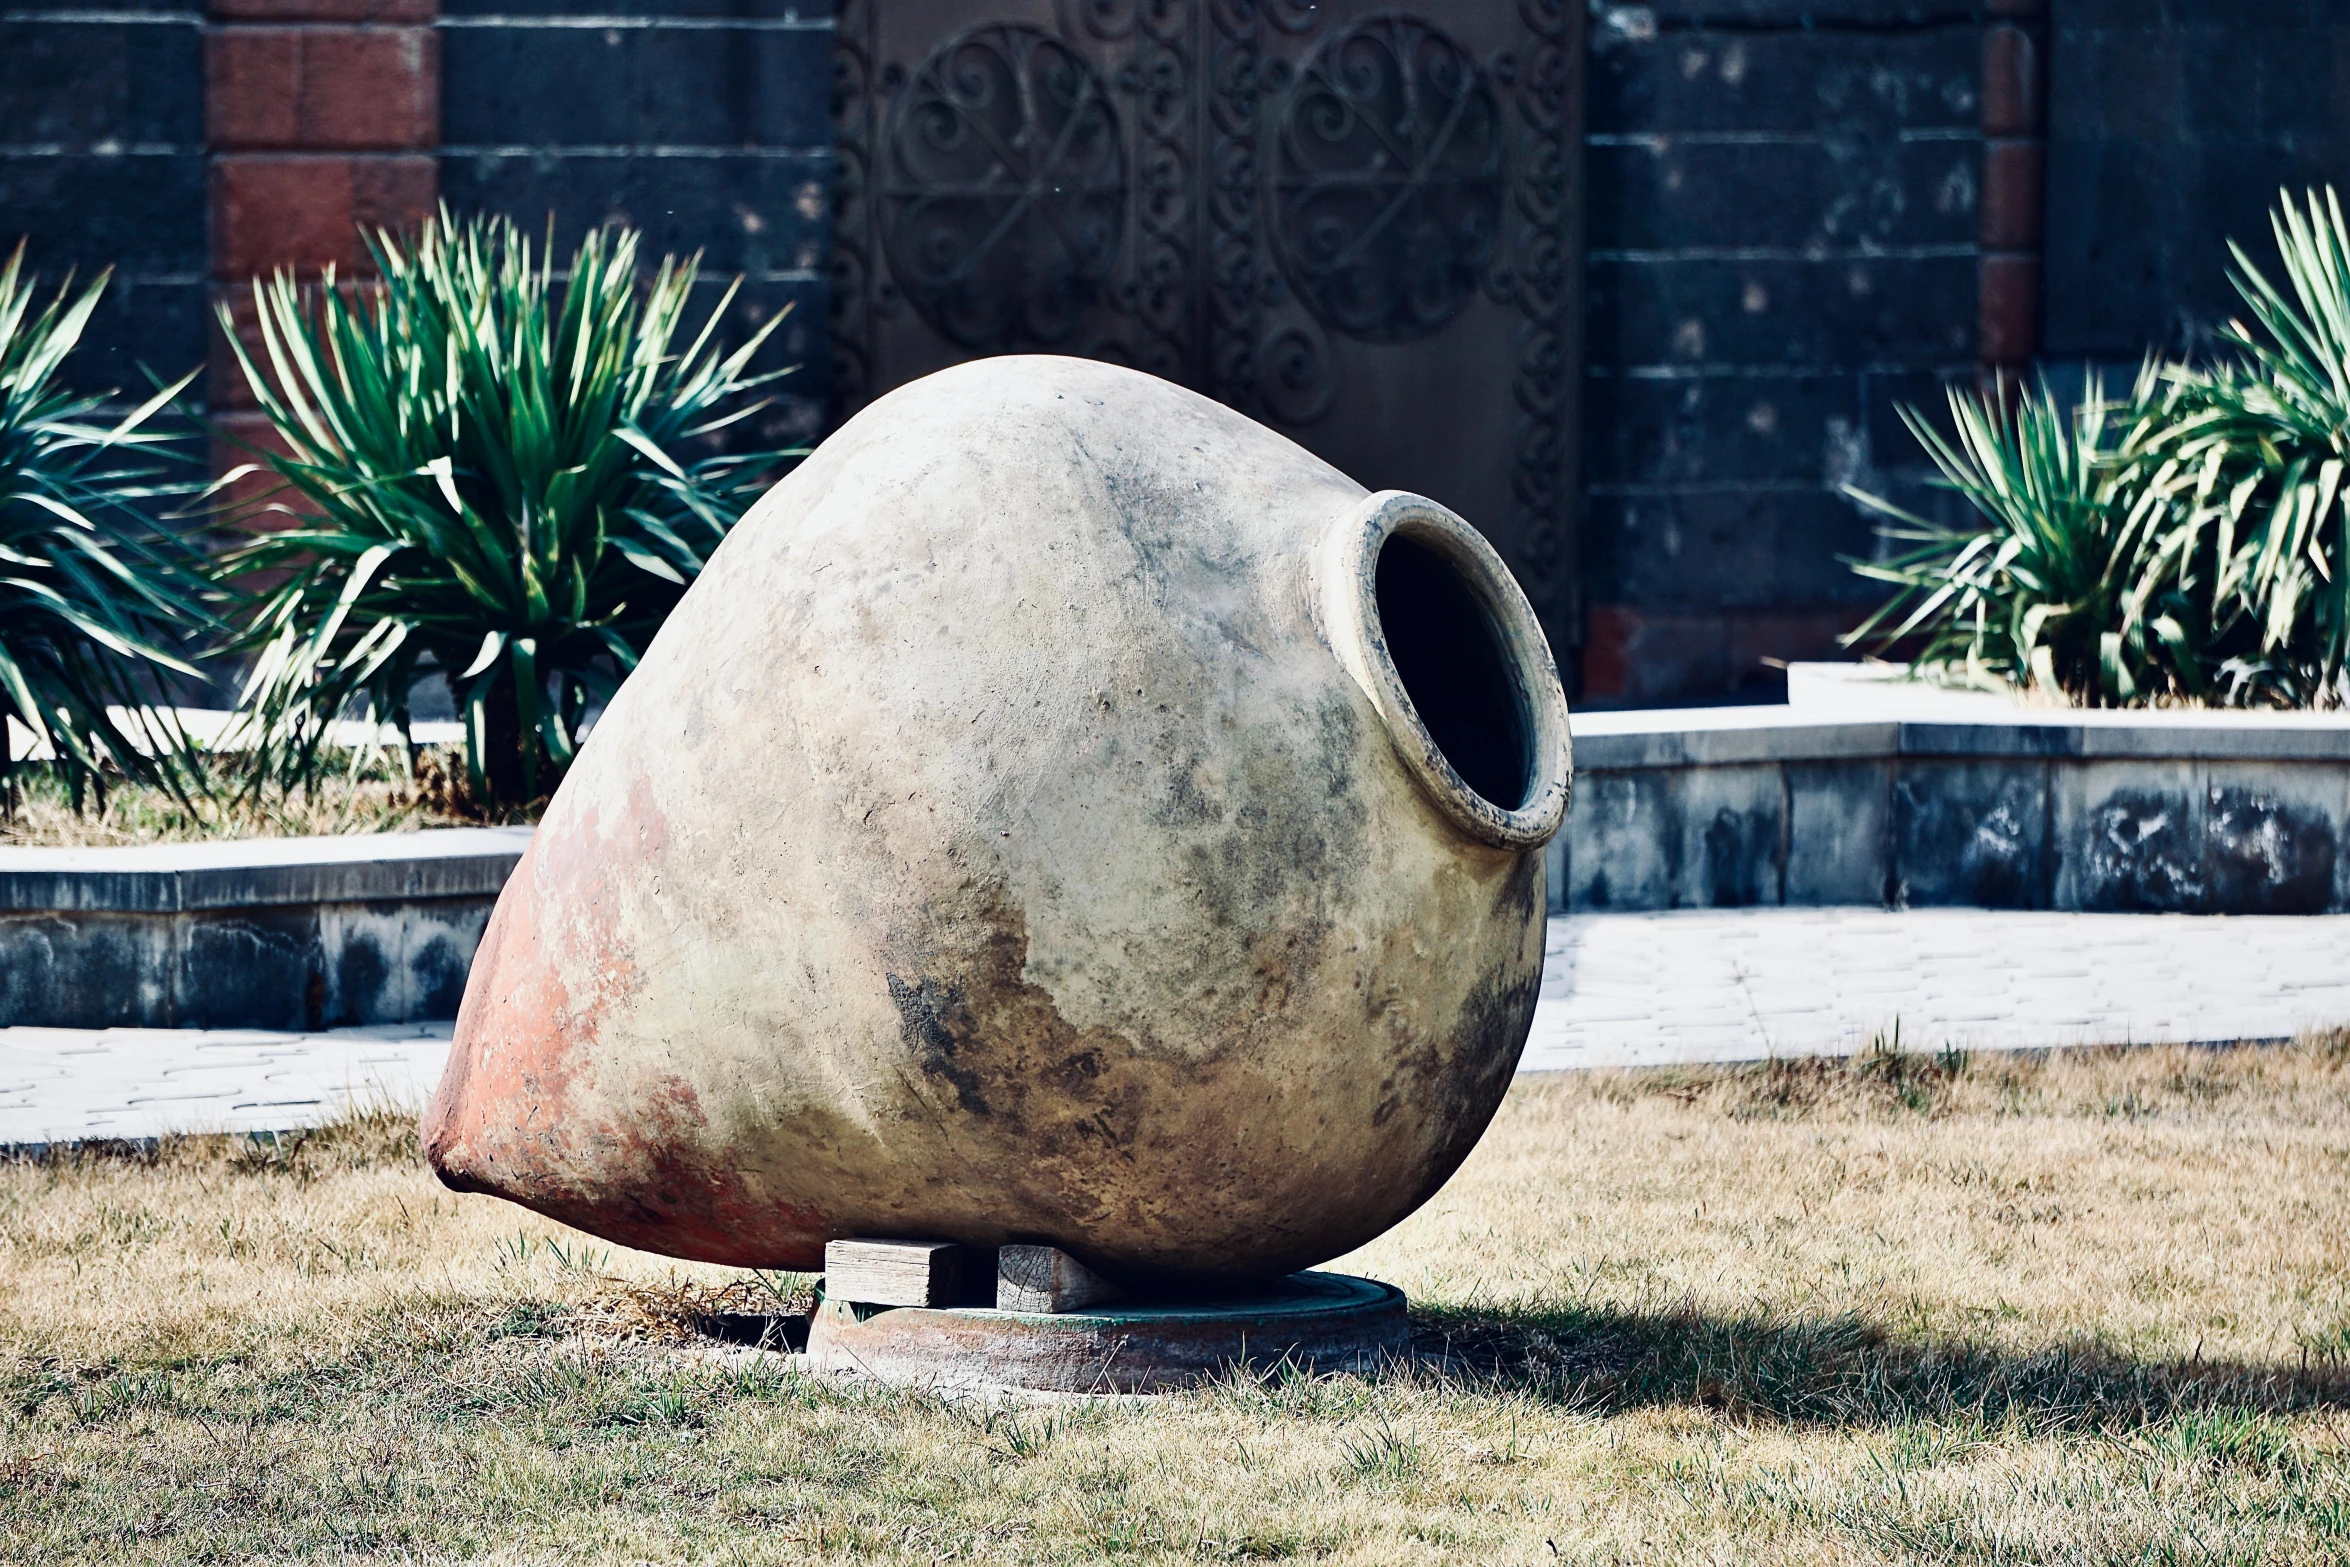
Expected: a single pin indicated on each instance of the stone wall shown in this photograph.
(705, 123)
(1803, 214)
(195, 149)
(2108, 813)
(102, 164)
(285, 933)
(2172, 124)
(1784, 247)
(320, 116)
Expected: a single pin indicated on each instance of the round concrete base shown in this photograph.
(1312, 1321)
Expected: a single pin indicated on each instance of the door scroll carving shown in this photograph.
(1314, 212)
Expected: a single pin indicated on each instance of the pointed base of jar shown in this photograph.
(1309, 1322)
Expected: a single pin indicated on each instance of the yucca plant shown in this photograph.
(2053, 589)
(2192, 542)
(96, 601)
(493, 471)
(2267, 434)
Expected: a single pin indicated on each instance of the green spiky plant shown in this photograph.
(2191, 542)
(2052, 589)
(491, 471)
(2266, 435)
(96, 601)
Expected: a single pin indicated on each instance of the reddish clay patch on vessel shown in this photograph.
(663, 1187)
(520, 1112)
(505, 1117)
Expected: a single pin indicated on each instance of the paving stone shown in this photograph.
(1981, 979)
(73, 1085)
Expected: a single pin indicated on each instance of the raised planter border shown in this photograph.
(274, 933)
(1997, 806)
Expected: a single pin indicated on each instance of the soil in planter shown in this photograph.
(378, 795)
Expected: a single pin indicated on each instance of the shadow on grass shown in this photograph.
(1846, 1371)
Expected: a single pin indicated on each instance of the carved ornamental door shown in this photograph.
(1357, 223)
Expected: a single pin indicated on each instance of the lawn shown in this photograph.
(2089, 1307)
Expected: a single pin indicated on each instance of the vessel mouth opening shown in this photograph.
(1456, 663)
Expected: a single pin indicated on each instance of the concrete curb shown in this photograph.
(1996, 806)
(290, 933)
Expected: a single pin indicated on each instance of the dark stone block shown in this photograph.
(2219, 79)
(1834, 196)
(1967, 833)
(1801, 15)
(144, 214)
(802, 346)
(1741, 858)
(1676, 83)
(1819, 315)
(84, 970)
(2267, 855)
(759, 215)
(1622, 842)
(82, 83)
(251, 968)
(1676, 839)
(1713, 429)
(1839, 832)
(815, 12)
(2298, 93)
(1726, 548)
(398, 962)
(361, 986)
(2117, 83)
(2234, 16)
(440, 957)
(2171, 131)
(586, 87)
(1886, 395)
(2139, 852)
(163, 13)
(1732, 840)
(141, 327)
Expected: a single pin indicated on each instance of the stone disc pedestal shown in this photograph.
(1314, 1322)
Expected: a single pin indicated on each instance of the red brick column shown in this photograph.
(320, 116)
(2014, 159)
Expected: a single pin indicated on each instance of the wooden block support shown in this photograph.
(1046, 1279)
(894, 1273)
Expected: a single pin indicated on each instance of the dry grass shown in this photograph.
(375, 794)
(2085, 1308)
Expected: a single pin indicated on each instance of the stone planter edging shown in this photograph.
(2186, 812)
(280, 933)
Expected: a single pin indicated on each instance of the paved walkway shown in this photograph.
(1617, 990)
(1747, 984)
(71, 1085)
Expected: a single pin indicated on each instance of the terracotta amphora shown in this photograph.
(1063, 811)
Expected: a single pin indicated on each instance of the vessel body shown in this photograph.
(1011, 837)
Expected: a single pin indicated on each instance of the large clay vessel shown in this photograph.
(1063, 811)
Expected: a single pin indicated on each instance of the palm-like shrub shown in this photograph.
(2054, 590)
(2192, 542)
(491, 472)
(2266, 436)
(95, 600)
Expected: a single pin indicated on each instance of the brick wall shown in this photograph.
(102, 163)
(1785, 234)
(706, 123)
(195, 149)
(321, 116)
